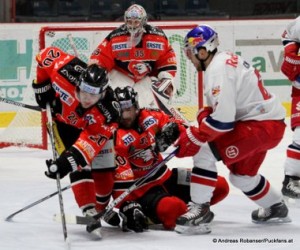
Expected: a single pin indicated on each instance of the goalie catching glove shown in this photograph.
(65, 164)
(163, 85)
(166, 137)
(133, 217)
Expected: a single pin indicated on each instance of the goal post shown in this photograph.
(84, 39)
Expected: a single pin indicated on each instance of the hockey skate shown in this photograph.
(277, 213)
(196, 220)
(291, 190)
(94, 227)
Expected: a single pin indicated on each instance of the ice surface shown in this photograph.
(22, 182)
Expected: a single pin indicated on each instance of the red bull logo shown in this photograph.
(193, 41)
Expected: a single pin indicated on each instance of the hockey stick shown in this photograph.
(72, 43)
(9, 218)
(162, 103)
(19, 104)
(90, 227)
(59, 190)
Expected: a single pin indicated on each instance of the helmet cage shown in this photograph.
(135, 18)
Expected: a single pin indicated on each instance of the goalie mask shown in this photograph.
(135, 18)
(93, 80)
(202, 36)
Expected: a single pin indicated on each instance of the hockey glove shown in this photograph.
(163, 85)
(291, 62)
(203, 113)
(44, 93)
(189, 142)
(109, 107)
(168, 135)
(63, 165)
(133, 217)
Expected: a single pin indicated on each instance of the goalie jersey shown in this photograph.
(151, 56)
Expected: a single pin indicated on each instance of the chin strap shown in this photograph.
(202, 61)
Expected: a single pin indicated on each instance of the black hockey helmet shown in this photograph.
(127, 97)
(93, 80)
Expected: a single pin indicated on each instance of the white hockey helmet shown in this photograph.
(135, 18)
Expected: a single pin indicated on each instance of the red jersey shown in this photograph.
(151, 56)
(63, 70)
(135, 156)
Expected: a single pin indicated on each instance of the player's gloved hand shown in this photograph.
(44, 93)
(109, 107)
(189, 142)
(203, 113)
(291, 61)
(133, 217)
(63, 165)
(164, 85)
(166, 137)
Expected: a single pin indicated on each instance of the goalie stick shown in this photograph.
(90, 227)
(19, 104)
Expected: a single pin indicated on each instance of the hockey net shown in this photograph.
(24, 127)
(21, 126)
(83, 40)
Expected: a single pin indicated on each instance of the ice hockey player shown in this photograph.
(137, 54)
(163, 197)
(85, 115)
(241, 123)
(291, 68)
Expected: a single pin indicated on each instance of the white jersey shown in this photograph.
(292, 31)
(235, 91)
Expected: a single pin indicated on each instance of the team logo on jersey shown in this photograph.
(65, 96)
(90, 119)
(119, 46)
(216, 91)
(232, 152)
(148, 122)
(128, 138)
(154, 45)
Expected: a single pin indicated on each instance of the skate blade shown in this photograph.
(192, 230)
(291, 202)
(274, 221)
(97, 232)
